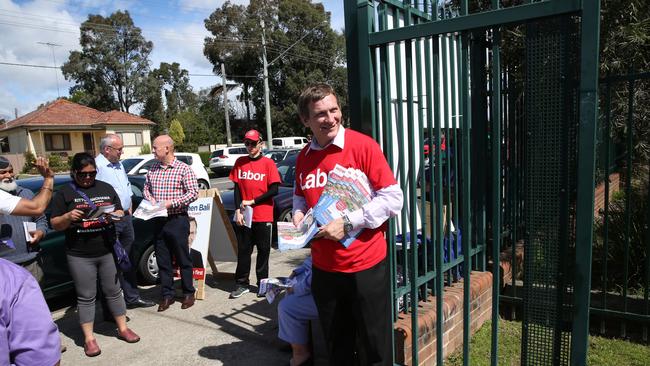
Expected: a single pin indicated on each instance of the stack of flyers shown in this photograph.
(292, 237)
(271, 287)
(346, 190)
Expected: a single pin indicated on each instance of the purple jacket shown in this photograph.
(28, 336)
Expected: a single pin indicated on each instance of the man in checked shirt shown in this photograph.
(172, 182)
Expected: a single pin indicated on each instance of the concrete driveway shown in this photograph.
(215, 331)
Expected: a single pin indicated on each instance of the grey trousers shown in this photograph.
(84, 272)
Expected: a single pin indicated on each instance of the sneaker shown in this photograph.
(239, 291)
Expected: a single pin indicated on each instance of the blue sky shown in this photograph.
(175, 27)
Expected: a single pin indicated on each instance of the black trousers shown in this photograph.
(171, 239)
(354, 312)
(128, 279)
(258, 235)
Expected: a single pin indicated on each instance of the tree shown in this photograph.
(172, 82)
(176, 132)
(236, 44)
(113, 63)
(317, 53)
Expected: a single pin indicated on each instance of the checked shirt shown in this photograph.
(175, 182)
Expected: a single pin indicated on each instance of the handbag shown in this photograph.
(121, 256)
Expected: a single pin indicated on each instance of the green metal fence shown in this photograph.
(487, 114)
(621, 271)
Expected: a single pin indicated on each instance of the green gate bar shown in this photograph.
(438, 41)
(495, 140)
(588, 95)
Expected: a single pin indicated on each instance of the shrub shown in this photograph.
(205, 157)
(187, 147)
(58, 163)
(145, 149)
(30, 160)
(617, 236)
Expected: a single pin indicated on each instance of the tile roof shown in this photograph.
(63, 112)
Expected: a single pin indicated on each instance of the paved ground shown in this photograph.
(215, 331)
(223, 183)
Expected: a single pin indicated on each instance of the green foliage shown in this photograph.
(176, 132)
(174, 83)
(317, 55)
(617, 237)
(205, 157)
(30, 160)
(188, 147)
(145, 149)
(58, 163)
(111, 69)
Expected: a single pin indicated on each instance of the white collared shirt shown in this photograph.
(115, 175)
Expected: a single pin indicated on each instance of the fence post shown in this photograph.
(358, 25)
(588, 95)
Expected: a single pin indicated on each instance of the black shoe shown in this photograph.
(110, 319)
(140, 303)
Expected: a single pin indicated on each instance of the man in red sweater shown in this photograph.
(351, 285)
(256, 181)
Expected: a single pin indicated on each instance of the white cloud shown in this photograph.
(22, 27)
(194, 5)
(183, 44)
(176, 29)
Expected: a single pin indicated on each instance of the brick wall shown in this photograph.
(480, 311)
(599, 193)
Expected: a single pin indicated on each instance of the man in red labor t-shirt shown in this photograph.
(351, 285)
(256, 181)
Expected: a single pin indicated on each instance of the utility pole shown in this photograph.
(267, 104)
(225, 105)
(56, 72)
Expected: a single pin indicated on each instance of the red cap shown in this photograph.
(252, 135)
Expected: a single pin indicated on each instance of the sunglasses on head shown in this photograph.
(251, 143)
(86, 174)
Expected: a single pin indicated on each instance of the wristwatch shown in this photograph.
(347, 225)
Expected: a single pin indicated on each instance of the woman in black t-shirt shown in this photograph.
(89, 239)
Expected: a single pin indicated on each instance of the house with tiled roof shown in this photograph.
(65, 128)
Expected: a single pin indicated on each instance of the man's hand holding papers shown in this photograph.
(147, 210)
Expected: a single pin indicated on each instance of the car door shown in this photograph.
(56, 276)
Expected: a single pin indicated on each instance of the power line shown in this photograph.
(51, 46)
(27, 65)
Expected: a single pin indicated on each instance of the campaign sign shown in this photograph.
(200, 217)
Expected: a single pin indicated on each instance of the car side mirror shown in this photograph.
(143, 171)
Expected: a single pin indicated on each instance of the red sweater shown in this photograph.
(312, 166)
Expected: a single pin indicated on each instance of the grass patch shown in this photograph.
(602, 351)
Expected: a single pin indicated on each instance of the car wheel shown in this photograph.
(286, 215)
(148, 267)
(203, 184)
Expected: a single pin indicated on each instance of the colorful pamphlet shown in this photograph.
(346, 191)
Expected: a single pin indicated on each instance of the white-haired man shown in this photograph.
(111, 171)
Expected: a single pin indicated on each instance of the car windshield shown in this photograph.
(287, 170)
(216, 153)
(130, 163)
(276, 156)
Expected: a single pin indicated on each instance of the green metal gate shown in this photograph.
(486, 111)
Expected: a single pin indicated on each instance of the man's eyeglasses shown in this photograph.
(120, 149)
(86, 174)
(251, 143)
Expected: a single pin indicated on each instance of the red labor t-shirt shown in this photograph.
(254, 178)
(312, 166)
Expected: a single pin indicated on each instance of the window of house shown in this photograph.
(4, 145)
(131, 138)
(57, 141)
